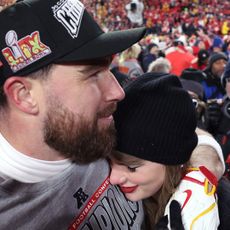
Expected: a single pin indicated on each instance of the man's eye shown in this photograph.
(132, 169)
(95, 74)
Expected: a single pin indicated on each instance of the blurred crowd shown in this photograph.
(164, 16)
(190, 39)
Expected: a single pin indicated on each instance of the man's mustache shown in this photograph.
(109, 110)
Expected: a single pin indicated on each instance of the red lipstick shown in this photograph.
(128, 189)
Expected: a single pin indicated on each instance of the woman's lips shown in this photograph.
(128, 189)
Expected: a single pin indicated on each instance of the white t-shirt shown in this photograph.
(18, 166)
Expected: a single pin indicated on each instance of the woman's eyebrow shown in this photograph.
(129, 161)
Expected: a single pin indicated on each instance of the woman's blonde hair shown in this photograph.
(154, 206)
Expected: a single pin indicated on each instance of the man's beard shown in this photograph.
(75, 137)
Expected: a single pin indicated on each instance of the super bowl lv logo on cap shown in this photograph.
(23, 52)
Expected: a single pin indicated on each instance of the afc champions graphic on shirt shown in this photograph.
(107, 208)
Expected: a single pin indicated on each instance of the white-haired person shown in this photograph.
(160, 65)
(128, 62)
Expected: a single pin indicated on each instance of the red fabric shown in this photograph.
(228, 159)
(210, 176)
(196, 50)
(179, 61)
(195, 66)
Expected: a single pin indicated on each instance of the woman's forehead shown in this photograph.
(125, 158)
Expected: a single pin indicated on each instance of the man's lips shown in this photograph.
(109, 117)
(108, 112)
(128, 189)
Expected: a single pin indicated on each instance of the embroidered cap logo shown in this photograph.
(69, 13)
(23, 52)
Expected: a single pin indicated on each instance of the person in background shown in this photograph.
(160, 65)
(150, 56)
(135, 10)
(217, 44)
(224, 126)
(156, 136)
(128, 63)
(196, 92)
(211, 83)
(179, 58)
(217, 117)
(202, 60)
(221, 116)
(57, 97)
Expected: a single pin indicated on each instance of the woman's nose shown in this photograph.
(117, 176)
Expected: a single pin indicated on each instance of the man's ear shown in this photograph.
(19, 94)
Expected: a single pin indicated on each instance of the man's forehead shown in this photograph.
(89, 65)
(97, 61)
(100, 61)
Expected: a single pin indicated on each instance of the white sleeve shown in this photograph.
(199, 209)
(210, 141)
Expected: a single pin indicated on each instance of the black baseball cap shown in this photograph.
(35, 33)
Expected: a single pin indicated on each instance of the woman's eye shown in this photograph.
(132, 169)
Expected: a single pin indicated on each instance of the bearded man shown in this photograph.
(57, 97)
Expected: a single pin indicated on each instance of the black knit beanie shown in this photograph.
(194, 87)
(156, 121)
(215, 57)
(193, 74)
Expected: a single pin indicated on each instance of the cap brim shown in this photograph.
(105, 44)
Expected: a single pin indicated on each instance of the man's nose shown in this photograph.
(114, 91)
